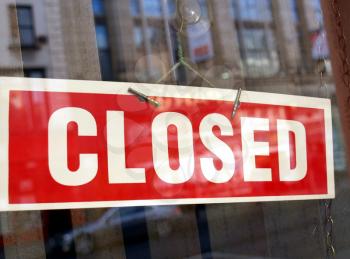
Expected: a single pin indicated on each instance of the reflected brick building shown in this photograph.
(267, 44)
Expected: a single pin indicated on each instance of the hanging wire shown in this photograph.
(329, 222)
(180, 52)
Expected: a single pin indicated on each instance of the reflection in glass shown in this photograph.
(152, 8)
(26, 26)
(252, 10)
(134, 7)
(98, 7)
(102, 37)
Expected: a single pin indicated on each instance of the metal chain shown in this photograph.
(328, 219)
(343, 54)
(329, 228)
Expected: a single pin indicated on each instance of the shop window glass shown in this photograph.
(251, 51)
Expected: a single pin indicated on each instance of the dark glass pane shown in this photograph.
(27, 37)
(24, 15)
(36, 73)
(102, 36)
(106, 65)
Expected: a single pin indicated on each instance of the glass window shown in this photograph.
(104, 52)
(135, 7)
(105, 64)
(252, 10)
(253, 21)
(171, 7)
(98, 7)
(26, 26)
(152, 8)
(251, 50)
(102, 40)
(258, 52)
(102, 36)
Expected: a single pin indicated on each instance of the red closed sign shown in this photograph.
(77, 144)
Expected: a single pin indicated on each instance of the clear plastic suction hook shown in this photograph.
(189, 11)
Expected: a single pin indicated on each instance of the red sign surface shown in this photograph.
(91, 144)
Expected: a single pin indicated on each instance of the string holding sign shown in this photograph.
(187, 12)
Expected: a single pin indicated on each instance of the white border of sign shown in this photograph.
(76, 86)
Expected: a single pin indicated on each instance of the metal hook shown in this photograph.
(144, 97)
(237, 103)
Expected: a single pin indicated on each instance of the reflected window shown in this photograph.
(255, 30)
(152, 8)
(98, 7)
(171, 7)
(102, 36)
(135, 7)
(260, 60)
(103, 50)
(26, 26)
(252, 10)
(102, 40)
(34, 72)
(105, 64)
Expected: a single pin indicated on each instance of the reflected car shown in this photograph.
(129, 217)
